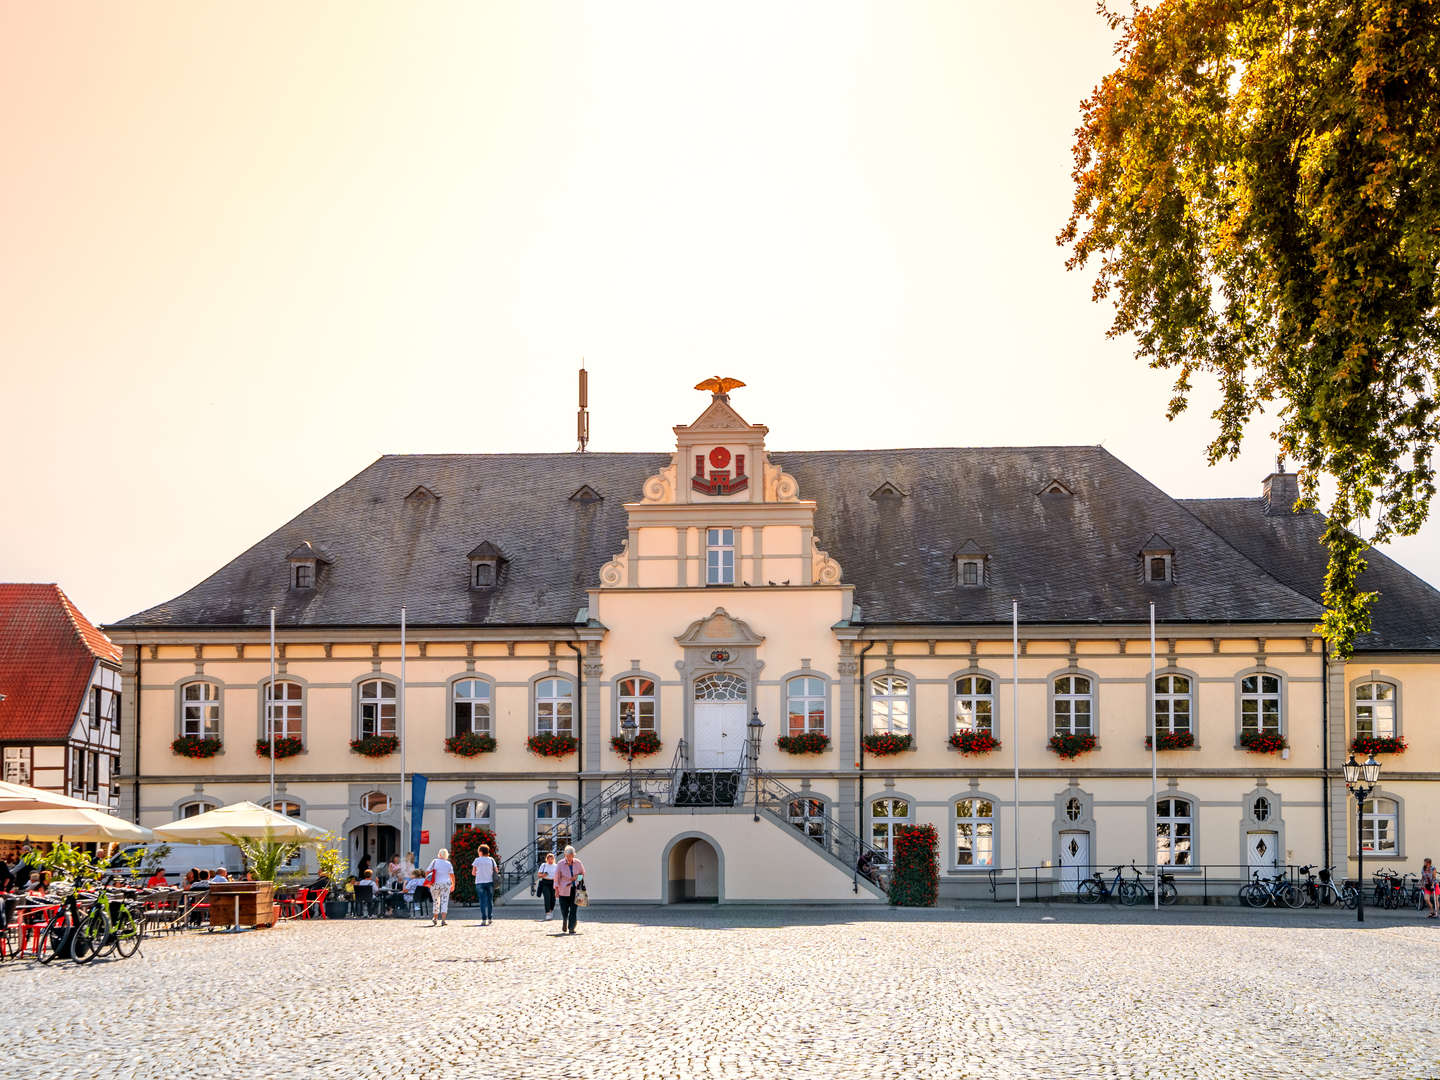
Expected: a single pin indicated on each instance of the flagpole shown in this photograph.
(270, 710)
(404, 837)
(1015, 735)
(1154, 750)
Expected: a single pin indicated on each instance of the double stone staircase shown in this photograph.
(682, 789)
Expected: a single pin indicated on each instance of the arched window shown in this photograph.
(285, 709)
(200, 710)
(808, 815)
(1374, 709)
(1174, 831)
(552, 825)
(886, 815)
(1172, 704)
(974, 703)
(720, 686)
(1260, 704)
(805, 706)
(470, 706)
(637, 702)
(469, 814)
(1074, 706)
(378, 708)
(974, 832)
(1073, 809)
(890, 705)
(375, 802)
(554, 707)
(1380, 826)
(1260, 808)
(195, 809)
(285, 806)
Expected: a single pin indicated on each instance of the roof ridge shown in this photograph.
(80, 624)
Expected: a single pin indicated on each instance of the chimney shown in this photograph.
(1280, 490)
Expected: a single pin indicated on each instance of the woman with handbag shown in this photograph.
(570, 888)
(440, 876)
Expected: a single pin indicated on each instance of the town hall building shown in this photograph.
(808, 650)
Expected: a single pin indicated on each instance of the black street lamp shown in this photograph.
(1361, 779)
(755, 728)
(628, 728)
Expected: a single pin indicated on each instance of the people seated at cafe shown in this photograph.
(157, 880)
(221, 874)
(365, 895)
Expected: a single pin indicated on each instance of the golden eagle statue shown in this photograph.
(719, 385)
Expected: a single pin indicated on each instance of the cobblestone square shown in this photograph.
(983, 991)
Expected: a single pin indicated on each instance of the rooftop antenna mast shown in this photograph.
(582, 418)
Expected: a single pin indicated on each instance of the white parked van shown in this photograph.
(180, 859)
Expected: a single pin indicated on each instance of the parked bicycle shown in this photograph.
(113, 924)
(1094, 889)
(1169, 894)
(1325, 892)
(1278, 890)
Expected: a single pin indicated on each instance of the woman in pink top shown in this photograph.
(569, 879)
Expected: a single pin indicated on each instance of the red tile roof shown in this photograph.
(47, 652)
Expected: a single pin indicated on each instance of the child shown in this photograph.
(411, 884)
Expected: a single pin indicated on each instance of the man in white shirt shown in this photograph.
(485, 868)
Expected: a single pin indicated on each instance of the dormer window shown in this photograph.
(970, 566)
(1157, 561)
(305, 563)
(486, 562)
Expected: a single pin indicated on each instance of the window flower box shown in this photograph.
(809, 742)
(974, 742)
(885, 744)
(1173, 740)
(1263, 742)
(471, 744)
(1071, 746)
(1378, 744)
(646, 743)
(556, 746)
(192, 747)
(286, 746)
(375, 746)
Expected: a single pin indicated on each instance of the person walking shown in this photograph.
(442, 873)
(545, 884)
(485, 868)
(569, 882)
(1430, 888)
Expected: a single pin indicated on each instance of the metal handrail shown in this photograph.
(865, 861)
(1215, 880)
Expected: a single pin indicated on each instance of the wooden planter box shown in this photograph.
(254, 899)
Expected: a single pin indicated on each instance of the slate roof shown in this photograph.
(1405, 616)
(1066, 558)
(48, 650)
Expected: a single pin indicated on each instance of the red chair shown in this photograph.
(293, 906)
(317, 904)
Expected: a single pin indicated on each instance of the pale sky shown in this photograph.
(247, 248)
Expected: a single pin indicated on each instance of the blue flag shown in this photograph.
(417, 811)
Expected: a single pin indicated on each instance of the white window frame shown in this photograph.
(806, 815)
(555, 815)
(884, 825)
(548, 712)
(1178, 831)
(974, 707)
(890, 711)
(808, 691)
(719, 555)
(377, 723)
(18, 765)
(286, 713)
(1259, 698)
(973, 820)
(633, 700)
(200, 715)
(459, 820)
(1373, 822)
(193, 808)
(471, 705)
(1068, 702)
(1164, 702)
(1377, 707)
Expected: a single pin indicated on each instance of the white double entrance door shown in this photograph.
(719, 734)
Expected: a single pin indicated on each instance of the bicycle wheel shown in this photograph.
(1169, 894)
(1350, 896)
(1088, 891)
(54, 939)
(1131, 893)
(1256, 895)
(1293, 895)
(90, 934)
(128, 932)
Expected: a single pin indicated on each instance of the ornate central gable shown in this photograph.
(720, 628)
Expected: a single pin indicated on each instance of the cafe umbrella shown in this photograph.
(75, 824)
(21, 797)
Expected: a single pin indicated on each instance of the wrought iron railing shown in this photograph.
(775, 799)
